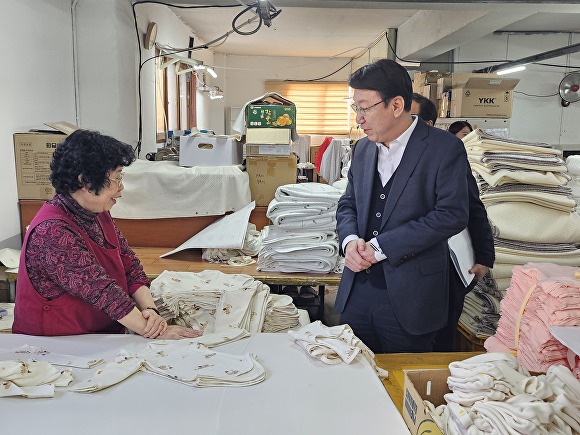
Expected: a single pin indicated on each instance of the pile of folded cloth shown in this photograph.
(333, 344)
(523, 186)
(492, 394)
(187, 361)
(237, 257)
(481, 308)
(212, 301)
(280, 313)
(541, 295)
(30, 371)
(302, 237)
(573, 164)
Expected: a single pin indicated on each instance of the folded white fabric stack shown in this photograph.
(540, 295)
(493, 394)
(281, 314)
(529, 205)
(252, 245)
(211, 301)
(302, 237)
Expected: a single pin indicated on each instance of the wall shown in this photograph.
(245, 75)
(537, 114)
(36, 82)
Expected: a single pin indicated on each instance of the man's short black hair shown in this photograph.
(427, 109)
(386, 77)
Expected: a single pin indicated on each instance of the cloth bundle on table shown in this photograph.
(252, 245)
(212, 301)
(524, 188)
(333, 345)
(163, 189)
(280, 314)
(540, 295)
(302, 237)
(185, 361)
(492, 393)
(31, 379)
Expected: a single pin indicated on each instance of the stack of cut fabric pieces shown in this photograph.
(212, 301)
(530, 208)
(481, 308)
(302, 237)
(281, 314)
(541, 295)
(492, 394)
(187, 361)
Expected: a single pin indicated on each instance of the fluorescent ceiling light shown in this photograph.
(510, 70)
(211, 71)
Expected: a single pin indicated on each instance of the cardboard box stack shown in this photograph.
(464, 95)
(33, 154)
(269, 161)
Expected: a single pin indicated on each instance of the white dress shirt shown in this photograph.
(389, 158)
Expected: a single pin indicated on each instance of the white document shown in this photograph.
(461, 251)
(569, 336)
(10, 257)
(228, 233)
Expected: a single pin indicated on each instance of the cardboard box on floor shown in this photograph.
(33, 153)
(267, 173)
(420, 385)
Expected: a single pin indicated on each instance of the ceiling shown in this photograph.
(338, 28)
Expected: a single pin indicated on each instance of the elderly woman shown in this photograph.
(77, 273)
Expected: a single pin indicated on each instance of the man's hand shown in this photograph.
(359, 255)
(479, 270)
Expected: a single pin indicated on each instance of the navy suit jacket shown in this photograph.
(427, 204)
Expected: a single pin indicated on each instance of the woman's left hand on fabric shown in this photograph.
(156, 325)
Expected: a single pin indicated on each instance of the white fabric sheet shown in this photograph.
(164, 189)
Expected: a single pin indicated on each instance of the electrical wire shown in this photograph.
(142, 62)
(323, 77)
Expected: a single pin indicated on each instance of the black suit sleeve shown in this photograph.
(478, 226)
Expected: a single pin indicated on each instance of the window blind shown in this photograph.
(321, 107)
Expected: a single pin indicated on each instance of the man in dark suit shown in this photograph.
(406, 195)
(481, 241)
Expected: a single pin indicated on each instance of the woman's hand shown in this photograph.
(156, 325)
(176, 332)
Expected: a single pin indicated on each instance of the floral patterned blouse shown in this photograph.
(56, 257)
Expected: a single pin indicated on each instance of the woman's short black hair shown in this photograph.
(457, 126)
(386, 77)
(86, 158)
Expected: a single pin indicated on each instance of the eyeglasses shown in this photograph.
(364, 110)
(118, 179)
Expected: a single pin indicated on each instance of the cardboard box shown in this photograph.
(266, 150)
(455, 80)
(268, 136)
(430, 92)
(483, 98)
(271, 116)
(209, 151)
(33, 153)
(267, 173)
(428, 77)
(423, 385)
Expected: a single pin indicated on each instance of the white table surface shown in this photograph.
(300, 395)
